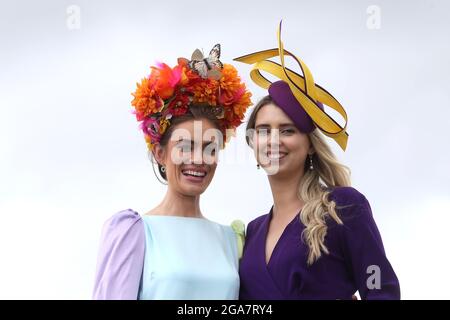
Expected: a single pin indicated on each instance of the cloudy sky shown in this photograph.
(71, 154)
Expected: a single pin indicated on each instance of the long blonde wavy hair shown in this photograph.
(314, 188)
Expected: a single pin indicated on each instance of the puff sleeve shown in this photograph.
(120, 258)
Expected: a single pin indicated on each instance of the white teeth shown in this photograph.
(194, 173)
(276, 156)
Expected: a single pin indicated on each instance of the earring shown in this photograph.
(163, 169)
(311, 167)
(258, 166)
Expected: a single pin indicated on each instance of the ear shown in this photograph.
(251, 138)
(250, 142)
(159, 154)
(311, 150)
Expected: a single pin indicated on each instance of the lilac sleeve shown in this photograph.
(120, 258)
(370, 267)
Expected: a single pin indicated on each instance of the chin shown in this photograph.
(194, 185)
(192, 191)
(282, 169)
(193, 188)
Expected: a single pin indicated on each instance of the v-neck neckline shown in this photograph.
(277, 244)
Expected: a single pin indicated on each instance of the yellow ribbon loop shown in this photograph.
(303, 87)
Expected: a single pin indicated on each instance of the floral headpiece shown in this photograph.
(168, 92)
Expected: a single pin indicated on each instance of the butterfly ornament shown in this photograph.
(207, 67)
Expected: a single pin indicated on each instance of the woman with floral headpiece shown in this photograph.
(320, 239)
(173, 251)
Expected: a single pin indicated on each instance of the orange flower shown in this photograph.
(242, 104)
(230, 80)
(166, 79)
(205, 92)
(181, 71)
(145, 100)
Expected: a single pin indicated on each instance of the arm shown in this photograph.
(120, 258)
(372, 272)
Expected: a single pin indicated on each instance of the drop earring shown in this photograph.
(311, 167)
(258, 166)
(163, 169)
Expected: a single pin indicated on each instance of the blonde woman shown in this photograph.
(320, 239)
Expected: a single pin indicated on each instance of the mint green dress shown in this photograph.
(168, 257)
(189, 258)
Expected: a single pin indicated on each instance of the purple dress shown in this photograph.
(356, 259)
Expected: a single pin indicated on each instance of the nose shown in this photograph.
(197, 155)
(274, 139)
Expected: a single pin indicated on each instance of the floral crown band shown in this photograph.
(168, 92)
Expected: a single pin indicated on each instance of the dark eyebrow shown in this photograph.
(205, 143)
(184, 140)
(281, 125)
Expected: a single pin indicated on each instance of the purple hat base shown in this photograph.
(283, 97)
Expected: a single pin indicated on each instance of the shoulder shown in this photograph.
(122, 235)
(123, 219)
(346, 196)
(256, 223)
(351, 205)
(123, 223)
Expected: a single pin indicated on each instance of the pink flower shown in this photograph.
(150, 127)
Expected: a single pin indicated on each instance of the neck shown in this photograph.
(285, 188)
(177, 204)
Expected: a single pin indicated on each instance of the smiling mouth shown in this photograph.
(276, 156)
(194, 173)
(194, 176)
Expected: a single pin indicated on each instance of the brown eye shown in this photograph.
(211, 148)
(184, 147)
(288, 131)
(262, 131)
